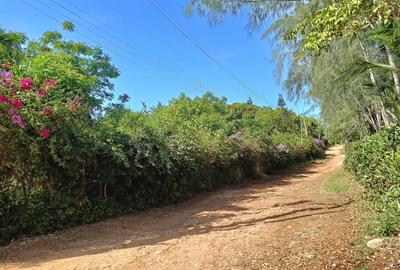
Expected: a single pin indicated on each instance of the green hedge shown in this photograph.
(375, 163)
(155, 172)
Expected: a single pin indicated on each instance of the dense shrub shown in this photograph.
(375, 163)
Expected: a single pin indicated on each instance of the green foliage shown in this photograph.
(339, 53)
(68, 26)
(281, 102)
(375, 163)
(10, 45)
(342, 19)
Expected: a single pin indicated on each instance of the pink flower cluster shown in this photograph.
(13, 100)
(319, 143)
(16, 118)
(6, 78)
(281, 148)
(26, 84)
(237, 134)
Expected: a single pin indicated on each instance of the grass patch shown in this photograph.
(338, 183)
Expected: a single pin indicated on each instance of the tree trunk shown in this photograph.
(367, 58)
(392, 63)
(384, 114)
(368, 114)
(374, 83)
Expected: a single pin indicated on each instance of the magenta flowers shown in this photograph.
(45, 133)
(26, 84)
(281, 148)
(17, 103)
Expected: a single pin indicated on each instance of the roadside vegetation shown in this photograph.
(70, 155)
(343, 55)
(375, 163)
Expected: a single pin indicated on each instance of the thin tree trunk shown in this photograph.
(383, 113)
(368, 115)
(367, 58)
(392, 63)
(374, 83)
(389, 112)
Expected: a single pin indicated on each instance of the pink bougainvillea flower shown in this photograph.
(47, 112)
(4, 99)
(50, 84)
(282, 148)
(6, 65)
(319, 143)
(17, 119)
(41, 92)
(17, 103)
(26, 84)
(11, 112)
(7, 75)
(13, 93)
(45, 133)
(72, 106)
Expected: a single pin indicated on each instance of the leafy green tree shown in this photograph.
(80, 69)
(10, 46)
(249, 101)
(68, 26)
(312, 38)
(281, 102)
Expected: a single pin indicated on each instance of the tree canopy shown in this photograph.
(341, 54)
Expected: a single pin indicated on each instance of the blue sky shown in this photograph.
(155, 60)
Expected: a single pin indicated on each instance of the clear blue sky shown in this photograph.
(183, 68)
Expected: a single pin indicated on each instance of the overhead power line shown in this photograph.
(157, 6)
(168, 66)
(96, 42)
(167, 45)
(142, 56)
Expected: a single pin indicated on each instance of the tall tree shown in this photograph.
(281, 102)
(315, 43)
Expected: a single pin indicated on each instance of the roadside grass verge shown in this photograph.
(338, 183)
(342, 183)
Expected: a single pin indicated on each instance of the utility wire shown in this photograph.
(169, 66)
(166, 44)
(93, 40)
(142, 57)
(157, 6)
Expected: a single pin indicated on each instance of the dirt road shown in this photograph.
(285, 222)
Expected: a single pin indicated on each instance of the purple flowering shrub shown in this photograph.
(281, 148)
(319, 143)
(291, 148)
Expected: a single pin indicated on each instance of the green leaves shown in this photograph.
(375, 163)
(341, 19)
(68, 26)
